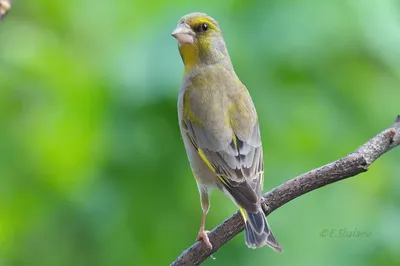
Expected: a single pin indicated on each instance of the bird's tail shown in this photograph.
(257, 230)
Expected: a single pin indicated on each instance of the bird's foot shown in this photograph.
(203, 236)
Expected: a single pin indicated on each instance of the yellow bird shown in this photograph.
(219, 127)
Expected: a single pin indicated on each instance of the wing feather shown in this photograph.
(238, 164)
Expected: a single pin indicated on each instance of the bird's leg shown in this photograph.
(203, 233)
(205, 205)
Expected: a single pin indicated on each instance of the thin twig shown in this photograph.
(351, 165)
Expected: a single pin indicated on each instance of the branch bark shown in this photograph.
(353, 164)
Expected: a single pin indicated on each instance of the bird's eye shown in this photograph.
(204, 27)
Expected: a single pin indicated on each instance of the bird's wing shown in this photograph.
(237, 161)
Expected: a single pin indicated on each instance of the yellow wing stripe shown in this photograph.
(235, 141)
(243, 212)
(207, 162)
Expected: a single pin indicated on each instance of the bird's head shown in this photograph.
(200, 40)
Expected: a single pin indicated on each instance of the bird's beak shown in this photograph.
(184, 34)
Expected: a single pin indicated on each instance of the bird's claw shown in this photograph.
(203, 236)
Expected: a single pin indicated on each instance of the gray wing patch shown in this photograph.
(239, 162)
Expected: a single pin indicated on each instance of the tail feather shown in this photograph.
(256, 222)
(257, 231)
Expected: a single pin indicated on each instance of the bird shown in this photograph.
(5, 6)
(220, 128)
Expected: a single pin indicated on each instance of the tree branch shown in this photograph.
(351, 165)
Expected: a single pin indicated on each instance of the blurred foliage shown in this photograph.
(92, 166)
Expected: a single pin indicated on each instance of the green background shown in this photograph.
(92, 167)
